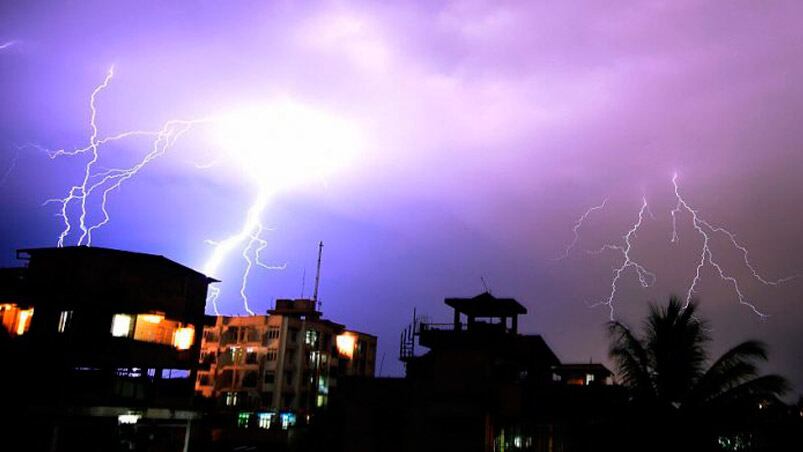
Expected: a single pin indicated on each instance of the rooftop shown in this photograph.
(94, 251)
(486, 305)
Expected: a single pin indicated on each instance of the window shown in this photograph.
(346, 343)
(242, 420)
(231, 398)
(236, 355)
(203, 380)
(171, 374)
(293, 333)
(210, 336)
(265, 419)
(229, 336)
(589, 379)
(121, 325)
(273, 332)
(64, 320)
(250, 379)
(311, 338)
(251, 356)
(207, 358)
(270, 377)
(251, 334)
(225, 380)
(288, 420)
(184, 337)
(272, 354)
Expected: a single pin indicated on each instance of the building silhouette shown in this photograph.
(105, 346)
(476, 384)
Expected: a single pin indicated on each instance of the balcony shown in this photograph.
(445, 334)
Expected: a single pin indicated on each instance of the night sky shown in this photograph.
(458, 140)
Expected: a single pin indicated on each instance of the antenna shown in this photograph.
(484, 285)
(318, 272)
(303, 282)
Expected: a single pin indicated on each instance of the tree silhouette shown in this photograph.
(678, 400)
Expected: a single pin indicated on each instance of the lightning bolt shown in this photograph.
(645, 277)
(103, 182)
(576, 228)
(706, 231)
(11, 165)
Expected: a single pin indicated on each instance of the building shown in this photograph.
(276, 370)
(105, 345)
(475, 384)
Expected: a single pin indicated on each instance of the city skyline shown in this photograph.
(485, 131)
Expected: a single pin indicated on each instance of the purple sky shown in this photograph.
(487, 129)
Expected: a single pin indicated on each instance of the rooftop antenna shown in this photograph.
(318, 272)
(482, 278)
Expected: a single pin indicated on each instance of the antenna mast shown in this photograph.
(318, 273)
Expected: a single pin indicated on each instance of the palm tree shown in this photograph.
(671, 383)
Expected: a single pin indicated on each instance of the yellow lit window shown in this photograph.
(24, 321)
(184, 337)
(345, 344)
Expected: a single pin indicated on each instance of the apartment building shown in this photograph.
(277, 369)
(105, 346)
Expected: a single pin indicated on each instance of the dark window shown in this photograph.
(250, 379)
(251, 358)
(271, 355)
(225, 379)
(273, 332)
(270, 377)
(229, 336)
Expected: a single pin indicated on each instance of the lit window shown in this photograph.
(321, 402)
(64, 320)
(171, 374)
(311, 338)
(121, 325)
(346, 344)
(288, 420)
(128, 419)
(242, 419)
(265, 419)
(589, 379)
(231, 398)
(24, 321)
(184, 338)
(151, 318)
